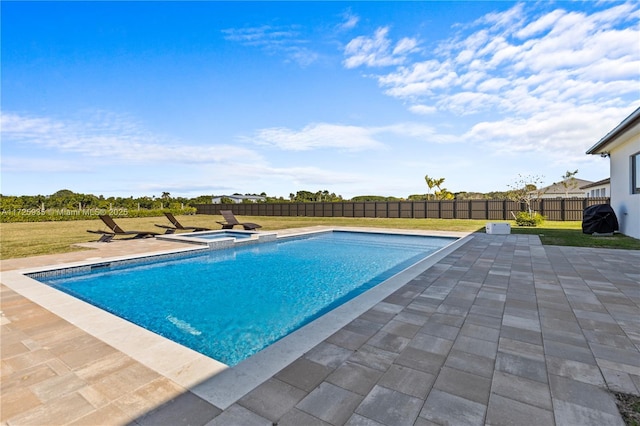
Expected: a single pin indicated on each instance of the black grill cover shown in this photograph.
(599, 218)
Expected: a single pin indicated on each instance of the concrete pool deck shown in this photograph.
(501, 331)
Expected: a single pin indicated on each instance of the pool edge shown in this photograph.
(232, 384)
(213, 381)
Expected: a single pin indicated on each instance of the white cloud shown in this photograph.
(15, 164)
(263, 36)
(238, 178)
(350, 21)
(563, 136)
(314, 176)
(340, 137)
(421, 78)
(412, 130)
(280, 40)
(303, 57)
(515, 62)
(504, 19)
(113, 139)
(318, 136)
(493, 84)
(422, 109)
(541, 25)
(466, 103)
(404, 46)
(377, 51)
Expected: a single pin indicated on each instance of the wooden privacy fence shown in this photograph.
(558, 209)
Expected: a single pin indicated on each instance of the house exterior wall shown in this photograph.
(625, 203)
(603, 190)
(237, 198)
(558, 190)
(621, 145)
(573, 193)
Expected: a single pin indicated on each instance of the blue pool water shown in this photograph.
(229, 304)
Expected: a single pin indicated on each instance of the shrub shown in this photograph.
(528, 218)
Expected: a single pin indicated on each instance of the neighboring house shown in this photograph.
(237, 198)
(622, 146)
(601, 188)
(568, 188)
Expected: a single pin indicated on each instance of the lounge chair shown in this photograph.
(231, 221)
(178, 226)
(116, 230)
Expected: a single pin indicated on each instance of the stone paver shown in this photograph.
(501, 331)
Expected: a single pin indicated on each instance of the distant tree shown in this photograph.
(318, 196)
(145, 202)
(417, 197)
(444, 194)
(166, 196)
(202, 199)
(361, 198)
(302, 197)
(497, 195)
(11, 202)
(62, 193)
(327, 197)
(525, 190)
(275, 199)
(569, 182)
(463, 195)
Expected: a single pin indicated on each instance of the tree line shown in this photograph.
(521, 190)
(67, 199)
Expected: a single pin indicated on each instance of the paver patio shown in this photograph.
(501, 331)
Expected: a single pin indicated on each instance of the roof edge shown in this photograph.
(606, 181)
(619, 129)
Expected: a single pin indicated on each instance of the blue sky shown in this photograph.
(357, 98)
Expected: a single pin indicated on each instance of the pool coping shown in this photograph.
(212, 380)
(255, 237)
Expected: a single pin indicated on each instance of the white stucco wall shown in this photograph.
(624, 202)
(604, 191)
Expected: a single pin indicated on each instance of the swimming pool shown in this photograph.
(229, 304)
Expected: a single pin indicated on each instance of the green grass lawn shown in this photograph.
(574, 237)
(36, 238)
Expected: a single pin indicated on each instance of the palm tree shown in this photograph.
(431, 184)
(436, 183)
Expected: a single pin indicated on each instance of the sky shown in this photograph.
(356, 98)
